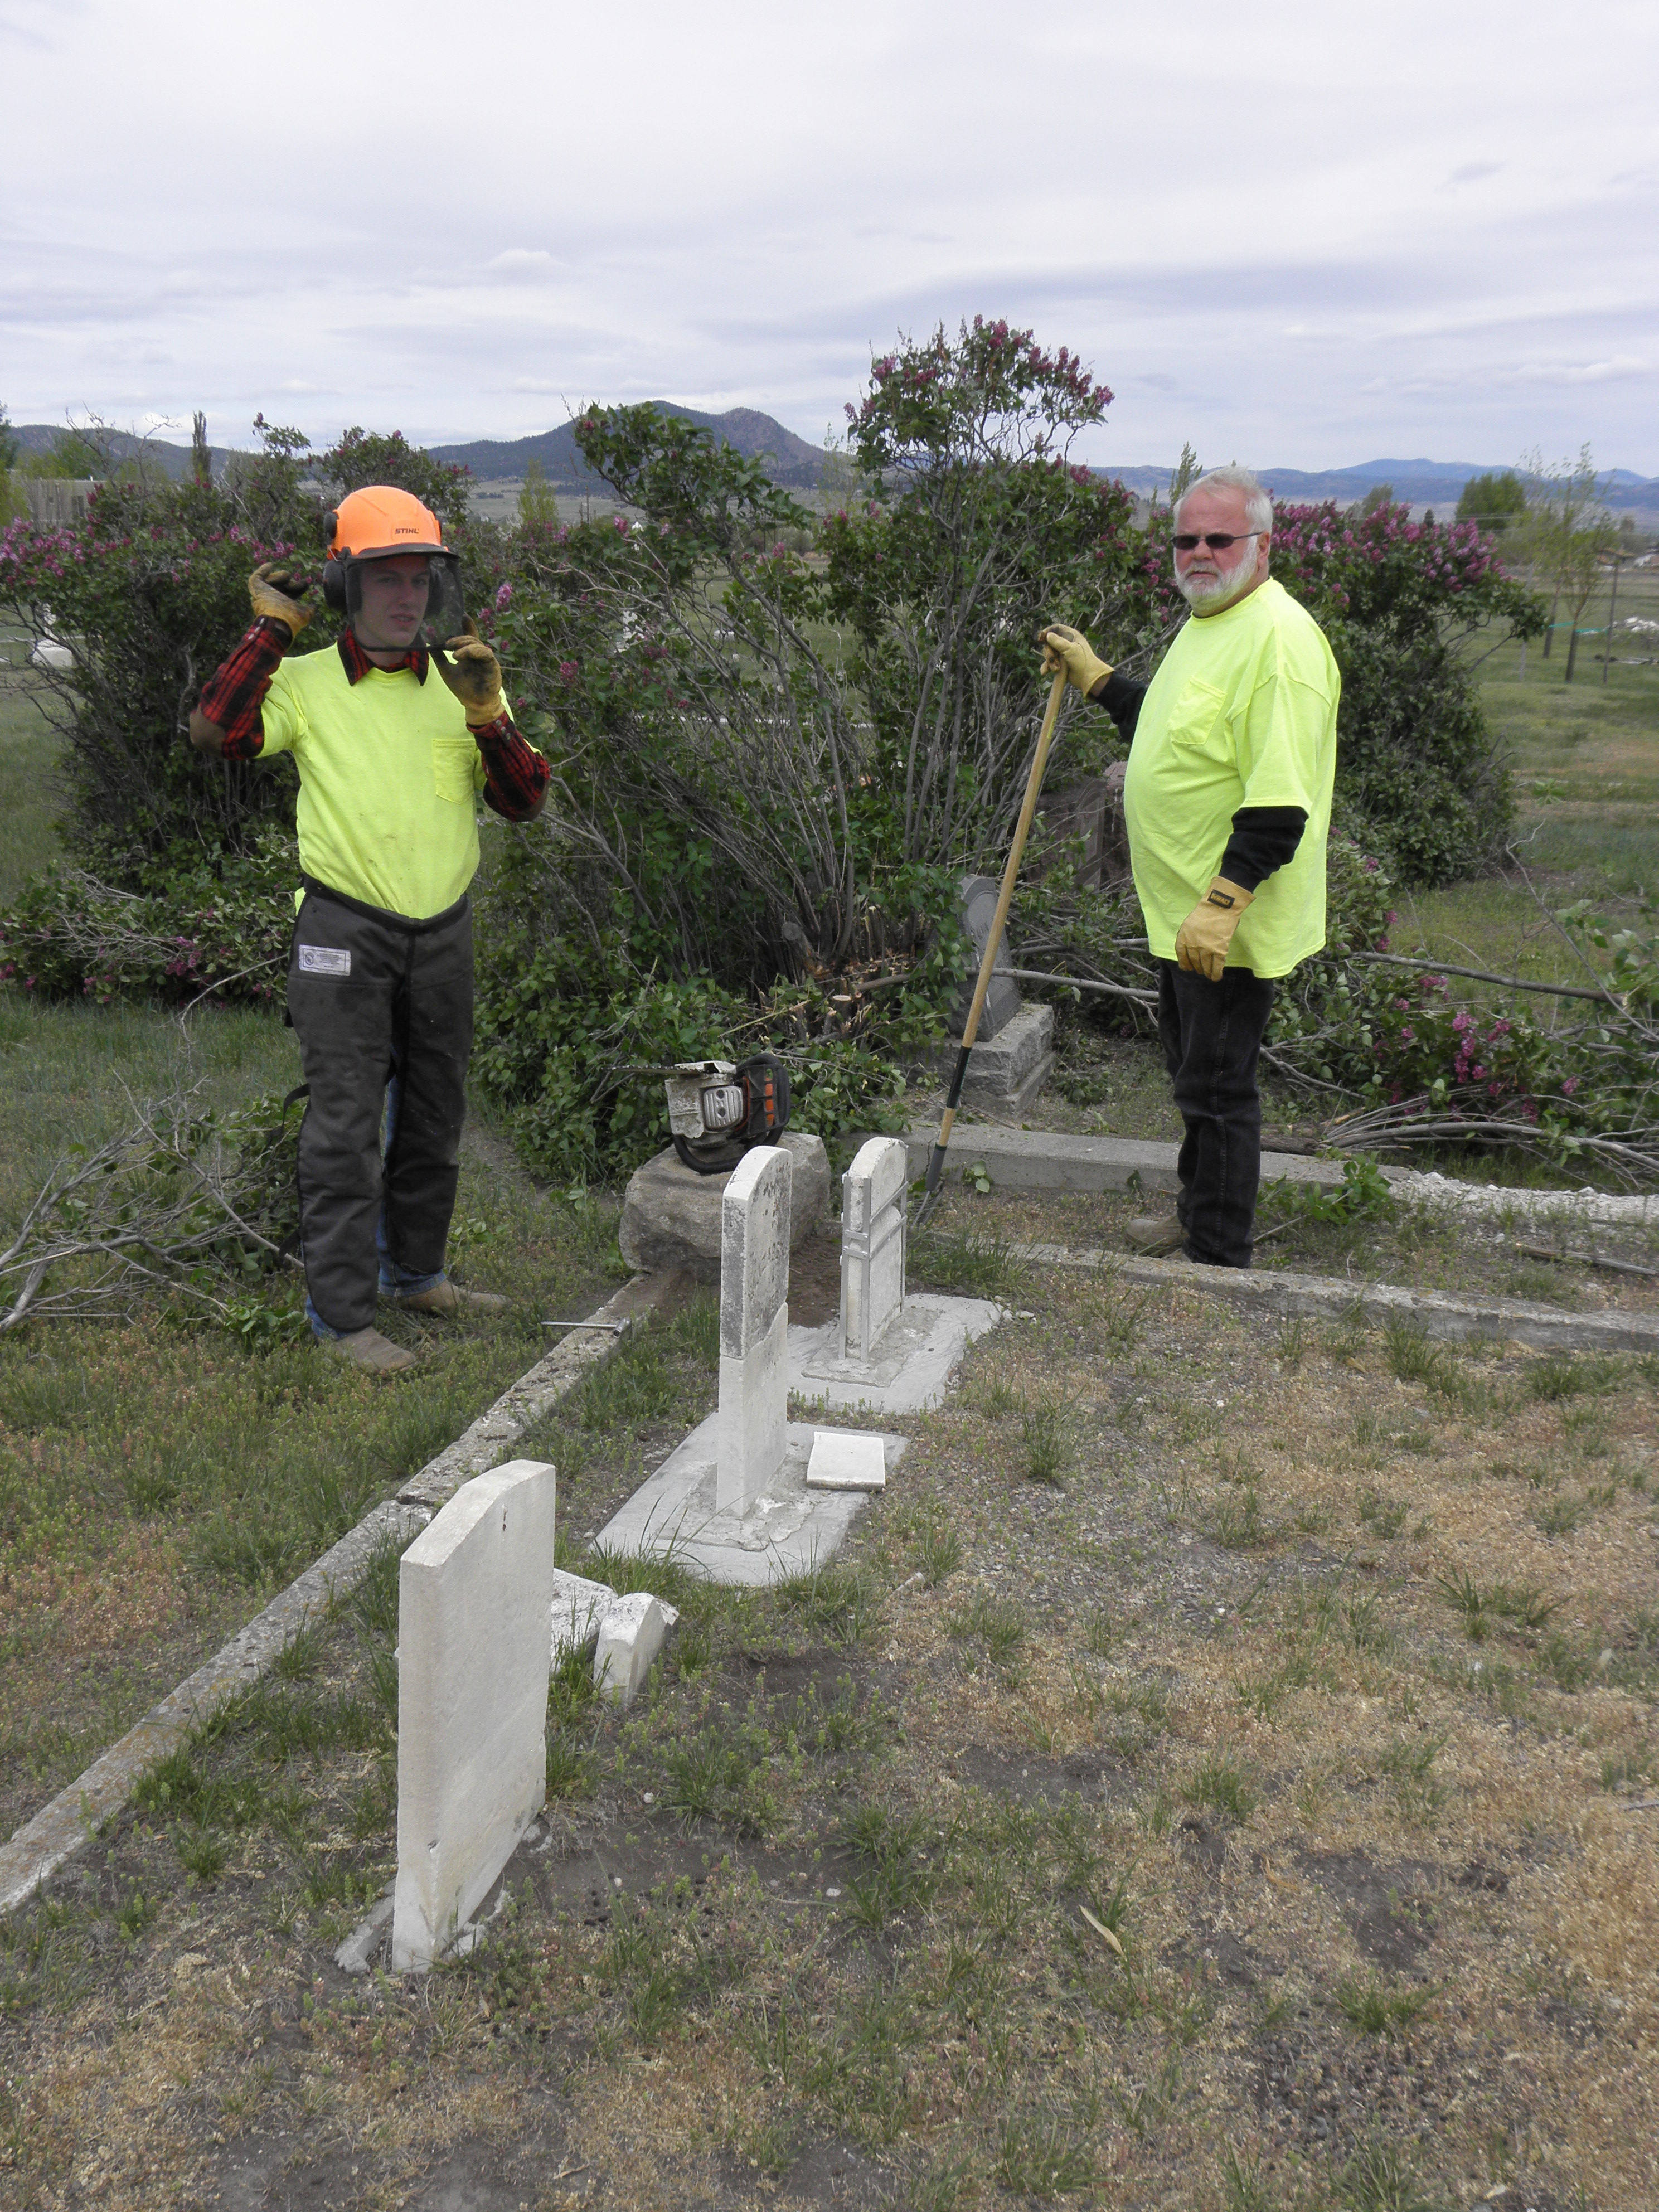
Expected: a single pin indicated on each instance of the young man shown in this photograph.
(1227, 801)
(379, 982)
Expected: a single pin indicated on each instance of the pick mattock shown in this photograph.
(1009, 877)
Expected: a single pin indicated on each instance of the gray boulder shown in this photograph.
(671, 1215)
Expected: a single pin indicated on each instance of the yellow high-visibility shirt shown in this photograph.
(1243, 712)
(390, 777)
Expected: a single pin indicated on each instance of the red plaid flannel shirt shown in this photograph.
(515, 775)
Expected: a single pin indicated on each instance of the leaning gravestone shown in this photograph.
(979, 899)
(475, 1594)
(1013, 1057)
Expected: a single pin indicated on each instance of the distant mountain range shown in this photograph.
(121, 446)
(1419, 484)
(796, 463)
(745, 429)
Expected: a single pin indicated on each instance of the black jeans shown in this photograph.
(373, 996)
(1212, 1033)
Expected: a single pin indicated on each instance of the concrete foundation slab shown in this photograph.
(1046, 1159)
(1437, 1313)
(912, 1365)
(846, 1458)
(475, 1597)
(787, 1530)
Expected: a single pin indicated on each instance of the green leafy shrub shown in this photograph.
(150, 593)
(1417, 764)
(1416, 1056)
(983, 534)
(200, 922)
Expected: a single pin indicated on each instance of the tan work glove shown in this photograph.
(1067, 649)
(1202, 940)
(474, 675)
(271, 591)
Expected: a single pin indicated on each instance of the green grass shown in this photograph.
(1585, 759)
(28, 754)
(1377, 2010)
(1219, 1785)
(69, 1073)
(185, 1472)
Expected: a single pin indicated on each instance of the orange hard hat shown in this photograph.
(379, 520)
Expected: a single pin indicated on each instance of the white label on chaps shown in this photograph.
(324, 960)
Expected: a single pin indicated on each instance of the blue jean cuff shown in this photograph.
(398, 1281)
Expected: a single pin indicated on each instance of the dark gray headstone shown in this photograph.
(979, 909)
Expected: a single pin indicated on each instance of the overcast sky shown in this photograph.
(1300, 234)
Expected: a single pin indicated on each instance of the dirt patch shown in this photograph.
(815, 1281)
(838, 2172)
(1389, 1911)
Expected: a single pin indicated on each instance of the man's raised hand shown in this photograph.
(1067, 649)
(273, 594)
(474, 675)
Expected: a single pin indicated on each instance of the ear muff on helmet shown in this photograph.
(334, 586)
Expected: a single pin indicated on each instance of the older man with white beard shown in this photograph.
(1227, 799)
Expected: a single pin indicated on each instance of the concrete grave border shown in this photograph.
(1052, 1159)
(1439, 1313)
(63, 1828)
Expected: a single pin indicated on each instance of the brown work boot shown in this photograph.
(367, 1349)
(446, 1298)
(1154, 1237)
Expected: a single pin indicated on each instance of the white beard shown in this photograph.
(1206, 591)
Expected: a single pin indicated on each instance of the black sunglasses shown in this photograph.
(1218, 540)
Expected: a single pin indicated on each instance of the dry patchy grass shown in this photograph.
(1234, 1811)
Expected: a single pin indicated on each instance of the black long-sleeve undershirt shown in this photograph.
(1263, 838)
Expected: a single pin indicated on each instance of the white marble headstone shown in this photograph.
(754, 1388)
(873, 1238)
(475, 1591)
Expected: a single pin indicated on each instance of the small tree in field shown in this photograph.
(538, 502)
(1497, 501)
(1571, 533)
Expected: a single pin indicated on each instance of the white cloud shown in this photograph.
(1285, 232)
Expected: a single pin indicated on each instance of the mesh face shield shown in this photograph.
(445, 609)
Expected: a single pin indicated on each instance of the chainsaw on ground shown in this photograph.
(718, 1110)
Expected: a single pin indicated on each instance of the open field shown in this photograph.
(1318, 1668)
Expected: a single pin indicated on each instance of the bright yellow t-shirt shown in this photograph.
(1243, 712)
(389, 781)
